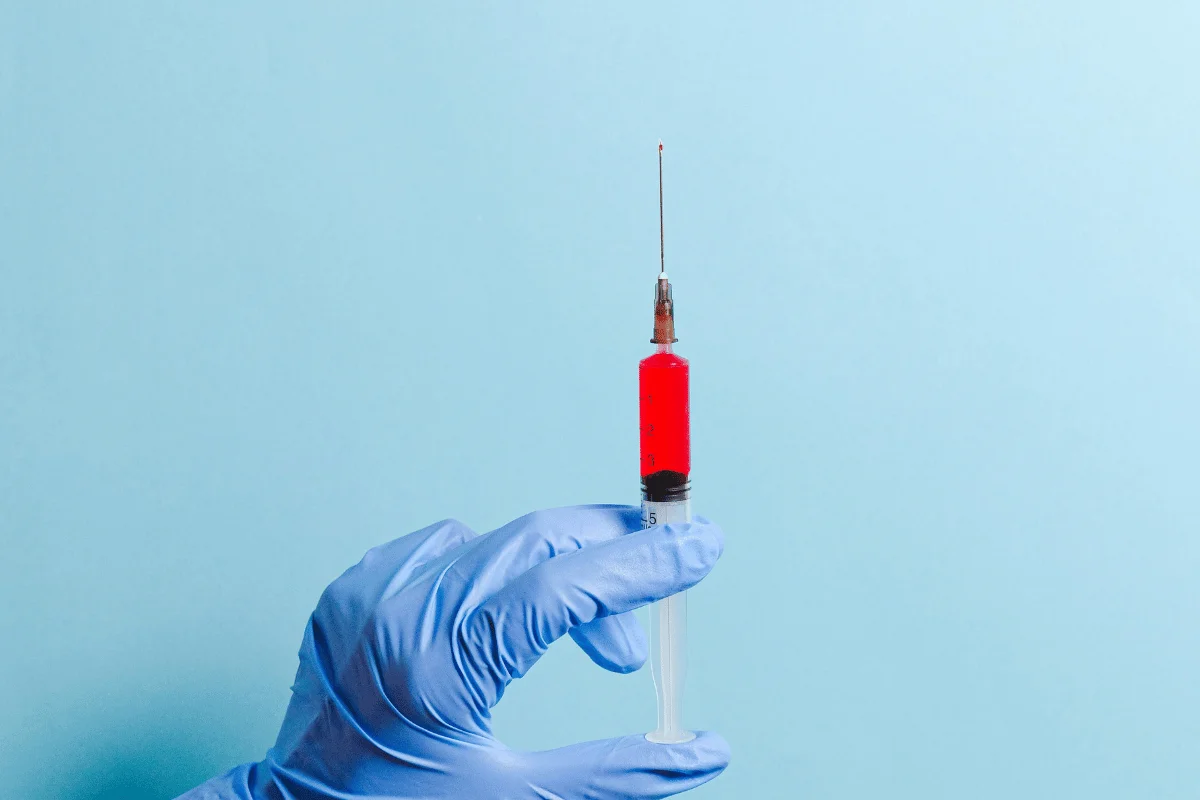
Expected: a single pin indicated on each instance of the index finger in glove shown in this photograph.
(514, 627)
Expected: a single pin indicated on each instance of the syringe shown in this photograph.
(666, 489)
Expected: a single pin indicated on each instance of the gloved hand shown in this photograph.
(408, 651)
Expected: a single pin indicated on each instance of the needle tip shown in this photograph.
(660, 145)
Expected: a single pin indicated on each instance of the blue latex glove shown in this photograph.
(408, 651)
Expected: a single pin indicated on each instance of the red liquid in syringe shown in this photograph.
(663, 414)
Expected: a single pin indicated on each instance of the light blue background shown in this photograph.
(282, 282)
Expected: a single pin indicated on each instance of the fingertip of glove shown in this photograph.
(707, 527)
(626, 667)
(715, 531)
(712, 748)
(692, 547)
(616, 643)
(706, 755)
(707, 534)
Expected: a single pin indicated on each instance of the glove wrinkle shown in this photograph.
(339, 708)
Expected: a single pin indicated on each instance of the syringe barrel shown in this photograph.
(665, 434)
(666, 464)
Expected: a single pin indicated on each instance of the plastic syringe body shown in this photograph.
(665, 440)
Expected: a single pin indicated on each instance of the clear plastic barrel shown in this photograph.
(668, 638)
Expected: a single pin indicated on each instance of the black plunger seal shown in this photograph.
(666, 486)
